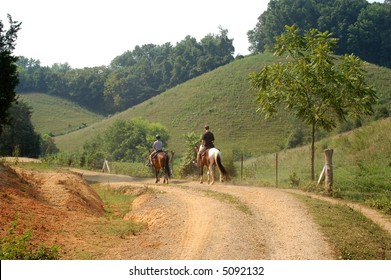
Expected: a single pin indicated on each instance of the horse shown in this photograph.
(211, 157)
(161, 163)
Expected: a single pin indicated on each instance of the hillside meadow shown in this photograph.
(223, 99)
(56, 116)
(361, 165)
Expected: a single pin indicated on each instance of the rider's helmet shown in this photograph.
(157, 136)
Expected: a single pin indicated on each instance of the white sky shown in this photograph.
(87, 33)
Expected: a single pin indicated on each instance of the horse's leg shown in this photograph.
(157, 176)
(201, 174)
(165, 178)
(212, 175)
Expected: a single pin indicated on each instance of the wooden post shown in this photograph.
(328, 156)
(106, 166)
(276, 169)
(241, 168)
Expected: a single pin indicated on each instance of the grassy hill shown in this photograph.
(223, 99)
(56, 115)
(361, 163)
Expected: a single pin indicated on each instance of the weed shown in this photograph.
(353, 236)
(20, 246)
(294, 181)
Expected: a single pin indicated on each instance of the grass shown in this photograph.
(223, 197)
(229, 199)
(352, 235)
(112, 228)
(117, 201)
(56, 116)
(362, 169)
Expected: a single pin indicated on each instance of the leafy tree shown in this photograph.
(187, 166)
(48, 146)
(311, 84)
(337, 16)
(217, 50)
(8, 69)
(361, 27)
(279, 13)
(370, 36)
(124, 141)
(19, 133)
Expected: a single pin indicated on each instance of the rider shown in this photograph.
(157, 147)
(207, 140)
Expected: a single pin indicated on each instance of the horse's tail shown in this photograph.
(167, 165)
(220, 165)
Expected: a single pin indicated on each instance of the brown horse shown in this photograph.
(161, 163)
(210, 158)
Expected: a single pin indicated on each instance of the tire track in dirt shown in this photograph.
(290, 232)
(213, 229)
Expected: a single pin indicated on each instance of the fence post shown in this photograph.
(328, 167)
(241, 167)
(276, 169)
(106, 166)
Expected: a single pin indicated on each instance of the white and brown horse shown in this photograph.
(210, 158)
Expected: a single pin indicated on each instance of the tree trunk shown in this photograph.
(313, 153)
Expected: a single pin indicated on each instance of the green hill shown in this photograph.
(223, 99)
(56, 116)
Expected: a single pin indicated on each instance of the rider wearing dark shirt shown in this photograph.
(206, 142)
(207, 139)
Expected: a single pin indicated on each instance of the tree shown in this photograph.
(370, 36)
(314, 84)
(8, 69)
(19, 134)
(124, 140)
(279, 13)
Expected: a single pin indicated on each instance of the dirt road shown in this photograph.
(188, 220)
(184, 220)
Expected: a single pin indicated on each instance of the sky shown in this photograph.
(88, 33)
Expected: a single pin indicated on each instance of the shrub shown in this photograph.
(16, 246)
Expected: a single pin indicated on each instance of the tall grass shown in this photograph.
(57, 116)
(361, 164)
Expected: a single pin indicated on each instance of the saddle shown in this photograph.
(204, 152)
(154, 154)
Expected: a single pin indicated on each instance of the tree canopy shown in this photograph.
(129, 141)
(362, 28)
(18, 137)
(318, 87)
(131, 77)
(8, 69)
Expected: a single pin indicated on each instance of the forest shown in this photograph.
(362, 28)
(132, 77)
